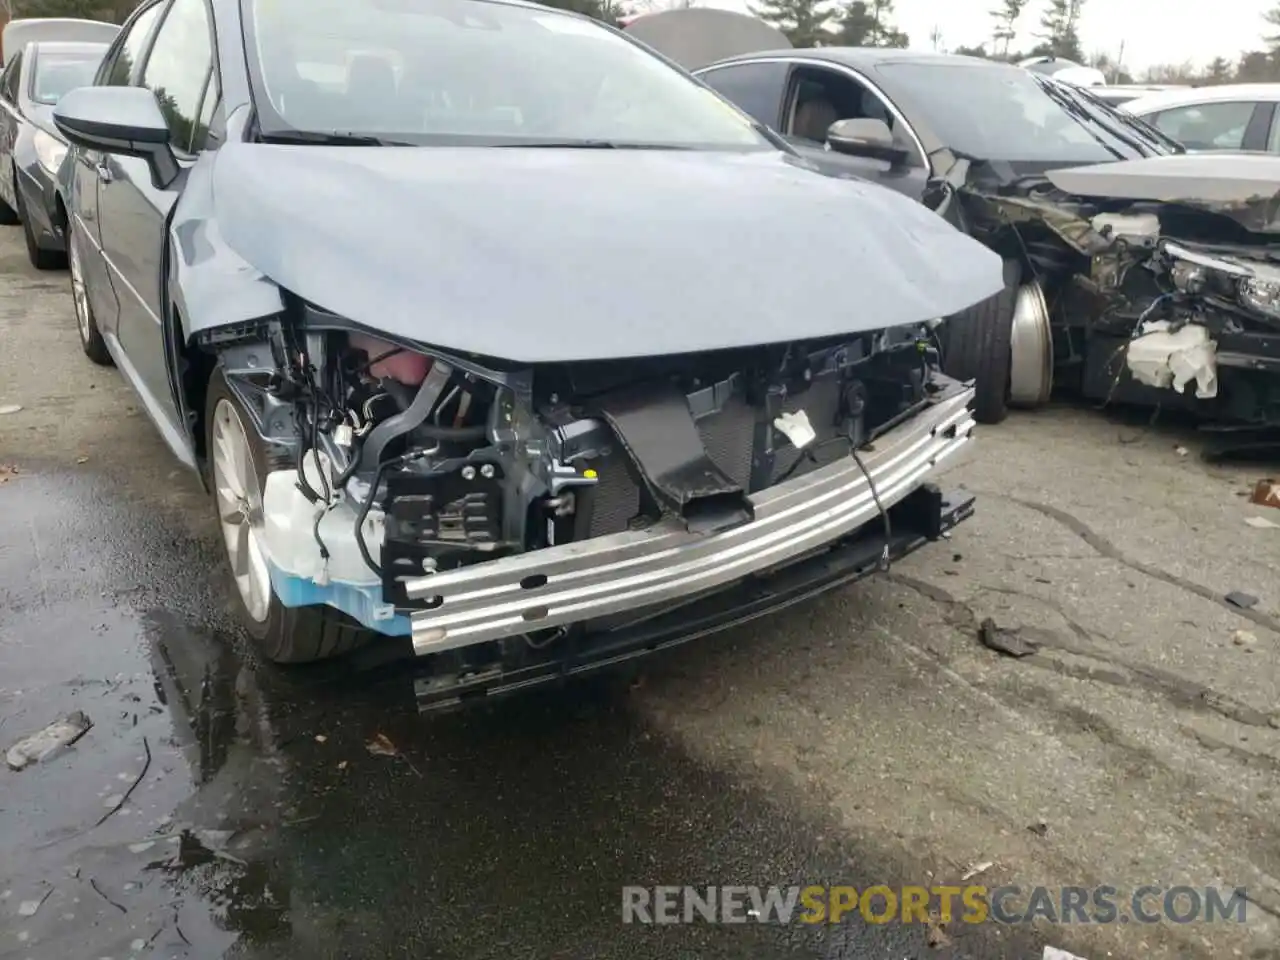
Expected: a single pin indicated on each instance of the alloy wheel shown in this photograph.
(239, 502)
(78, 293)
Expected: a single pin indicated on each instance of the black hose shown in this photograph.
(410, 417)
(436, 432)
(884, 514)
(365, 507)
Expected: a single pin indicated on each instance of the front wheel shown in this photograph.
(9, 215)
(95, 348)
(976, 346)
(238, 465)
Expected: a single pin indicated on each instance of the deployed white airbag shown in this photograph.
(1170, 359)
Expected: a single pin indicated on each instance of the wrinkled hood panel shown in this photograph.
(547, 254)
(1242, 186)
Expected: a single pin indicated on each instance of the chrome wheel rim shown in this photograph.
(239, 500)
(78, 293)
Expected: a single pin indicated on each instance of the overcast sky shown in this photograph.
(1153, 31)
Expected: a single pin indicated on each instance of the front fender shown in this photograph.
(209, 284)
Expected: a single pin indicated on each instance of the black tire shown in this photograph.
(976, 345)
(40, 258)
(9, 216)
(91, 342)
(288, 634)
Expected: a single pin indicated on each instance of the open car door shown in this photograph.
(698, 36)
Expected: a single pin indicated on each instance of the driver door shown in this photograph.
(133, 211)
(120, 66)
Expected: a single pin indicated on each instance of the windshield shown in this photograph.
(61, 71)
(466, 72)
(1014, 115)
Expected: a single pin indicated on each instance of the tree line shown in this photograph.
(1059, 36)
(870, 23)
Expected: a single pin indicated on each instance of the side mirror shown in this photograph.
(862, 137)
(123, 120)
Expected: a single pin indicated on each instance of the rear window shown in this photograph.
(57, 73)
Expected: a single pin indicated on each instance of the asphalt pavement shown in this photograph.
(220, 806)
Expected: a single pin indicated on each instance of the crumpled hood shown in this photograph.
(1242, 186)
(561, 254)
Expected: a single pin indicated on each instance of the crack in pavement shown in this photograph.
(1106, 548)
(1176, 690)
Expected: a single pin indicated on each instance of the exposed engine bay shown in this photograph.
(394, 467)
(1150, 301)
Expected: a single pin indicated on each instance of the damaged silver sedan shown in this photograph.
(492, 331)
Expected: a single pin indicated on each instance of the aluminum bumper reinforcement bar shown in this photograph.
(606, 575)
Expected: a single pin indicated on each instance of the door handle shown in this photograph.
(104, 171)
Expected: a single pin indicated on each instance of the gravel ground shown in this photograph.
(867, 737)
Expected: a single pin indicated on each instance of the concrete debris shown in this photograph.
(1171, 359)
(1009, 642)
(1261, 523)
(1244, 638)
(976, 869)
(381, 746)
(1266, 493)
(1053, 953)
(45, 743)
(1242, 600)
(936, 935)
(29, 908)
(10, 408)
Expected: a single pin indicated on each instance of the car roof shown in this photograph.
(868, 58)
(1189, 96)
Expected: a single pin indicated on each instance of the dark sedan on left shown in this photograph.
(31, 148)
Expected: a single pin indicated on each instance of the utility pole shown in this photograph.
(1119, 64)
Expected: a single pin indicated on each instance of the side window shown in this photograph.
(755, 88)
(179, 65)
(1207, 126)
(1273, 141)
(9, 81)
(201, 138)
(117, 69)
(821, 97)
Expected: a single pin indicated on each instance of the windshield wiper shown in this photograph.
(1090, 107)
(589, 145)
(1080, 115)
(1148, 130)
(335, 138)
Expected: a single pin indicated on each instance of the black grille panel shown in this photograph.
(728, 436)
(729, 440)
(615, 498)
(822, 404)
